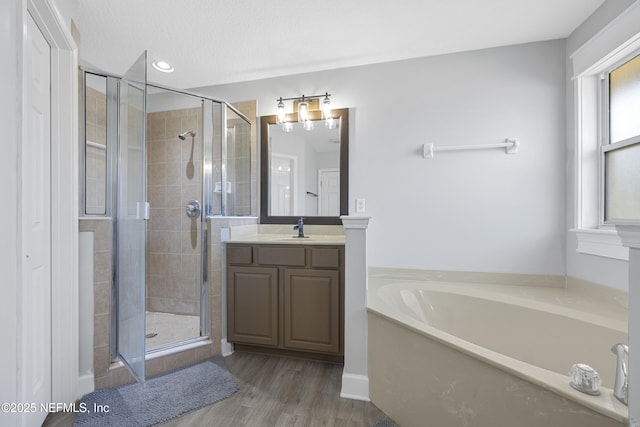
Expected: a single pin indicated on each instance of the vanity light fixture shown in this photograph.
(303, 111)
(163, 66)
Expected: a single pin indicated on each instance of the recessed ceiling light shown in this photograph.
(163, 66)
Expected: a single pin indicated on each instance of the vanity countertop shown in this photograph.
(286, 235)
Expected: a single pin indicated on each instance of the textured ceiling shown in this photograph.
(212, 42)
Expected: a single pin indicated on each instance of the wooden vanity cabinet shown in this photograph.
(252, 290)
(286, 299)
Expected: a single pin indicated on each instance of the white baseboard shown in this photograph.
(226, 348)
(86, 384)
(355, 387)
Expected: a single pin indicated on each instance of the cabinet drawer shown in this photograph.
(325, 257)
(281, 255)
(239, 254)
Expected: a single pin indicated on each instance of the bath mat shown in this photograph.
(159, 399)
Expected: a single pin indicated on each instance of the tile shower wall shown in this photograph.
(102, 229)
(243, 160)
(96, 156)
(174, 174)
(238, 167)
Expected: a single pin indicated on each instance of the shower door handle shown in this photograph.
(193, 209)
(142, 210)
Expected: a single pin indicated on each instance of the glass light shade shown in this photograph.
(281, 114)
(303, 112)
(326, 108)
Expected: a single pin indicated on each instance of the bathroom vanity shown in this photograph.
(285, 296)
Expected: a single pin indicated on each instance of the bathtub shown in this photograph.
(447, 353)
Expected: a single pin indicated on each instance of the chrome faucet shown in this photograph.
(621, 387)
(300, 227)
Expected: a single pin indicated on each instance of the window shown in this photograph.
(621, 143)
(606, 151)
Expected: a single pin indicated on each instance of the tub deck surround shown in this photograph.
(278, 234)
(506, 340)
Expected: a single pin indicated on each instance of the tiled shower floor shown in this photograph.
(170, 328)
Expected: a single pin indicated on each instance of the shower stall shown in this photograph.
(160, 163)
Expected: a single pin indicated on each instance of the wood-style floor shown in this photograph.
(275, 391)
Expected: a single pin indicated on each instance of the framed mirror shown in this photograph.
(304, 169)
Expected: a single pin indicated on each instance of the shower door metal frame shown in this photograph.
(209, 105)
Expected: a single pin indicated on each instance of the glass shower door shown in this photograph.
(132, 213)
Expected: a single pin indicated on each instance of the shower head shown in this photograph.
(184, 134)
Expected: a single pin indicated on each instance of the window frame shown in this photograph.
(604, 134)
(609, 46)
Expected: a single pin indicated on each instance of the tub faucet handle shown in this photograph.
(621, 387)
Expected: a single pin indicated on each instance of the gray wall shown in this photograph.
(473, 211)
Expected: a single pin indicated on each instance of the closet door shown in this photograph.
(35, 372)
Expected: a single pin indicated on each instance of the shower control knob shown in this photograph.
(193, 209)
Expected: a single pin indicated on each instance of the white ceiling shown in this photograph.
(211, 42)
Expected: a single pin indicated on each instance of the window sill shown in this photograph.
(604, 243)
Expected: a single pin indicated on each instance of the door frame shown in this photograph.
(64, 196)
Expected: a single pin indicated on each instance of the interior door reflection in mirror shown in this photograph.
(305, 169)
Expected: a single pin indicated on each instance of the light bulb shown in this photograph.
(281, 115)
(326, 106)
(303, 112)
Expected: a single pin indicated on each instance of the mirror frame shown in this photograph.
(341, 114)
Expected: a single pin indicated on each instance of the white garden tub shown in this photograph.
(471, 354)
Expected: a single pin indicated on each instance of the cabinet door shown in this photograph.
(252, 305)
(312, 310)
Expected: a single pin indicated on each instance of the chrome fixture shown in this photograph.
(300, 228)
(193, 209)
(304, 109)
(184, 134)
(621, 387)
(585, 379)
